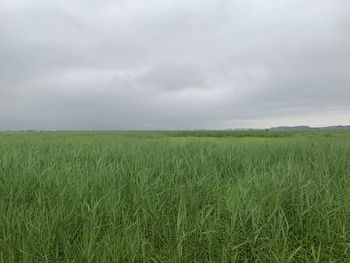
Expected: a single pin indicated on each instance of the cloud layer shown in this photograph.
(173, 64)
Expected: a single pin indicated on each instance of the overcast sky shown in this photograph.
(173, 64)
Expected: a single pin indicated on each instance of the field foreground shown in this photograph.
(201, 196)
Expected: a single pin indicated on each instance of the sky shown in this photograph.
(173, 64)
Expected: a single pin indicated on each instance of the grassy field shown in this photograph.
(175, 197)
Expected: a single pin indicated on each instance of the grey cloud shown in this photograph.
(174, 76)
(173, 64)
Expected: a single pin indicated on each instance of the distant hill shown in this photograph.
(305, 128)
(338, 127)
(290, 128)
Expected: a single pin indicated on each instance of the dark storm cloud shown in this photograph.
(173, 64)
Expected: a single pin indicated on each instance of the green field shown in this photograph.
(224, 196)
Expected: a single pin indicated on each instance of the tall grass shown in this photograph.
(144, 197)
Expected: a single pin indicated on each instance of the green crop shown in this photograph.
(204, 196)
